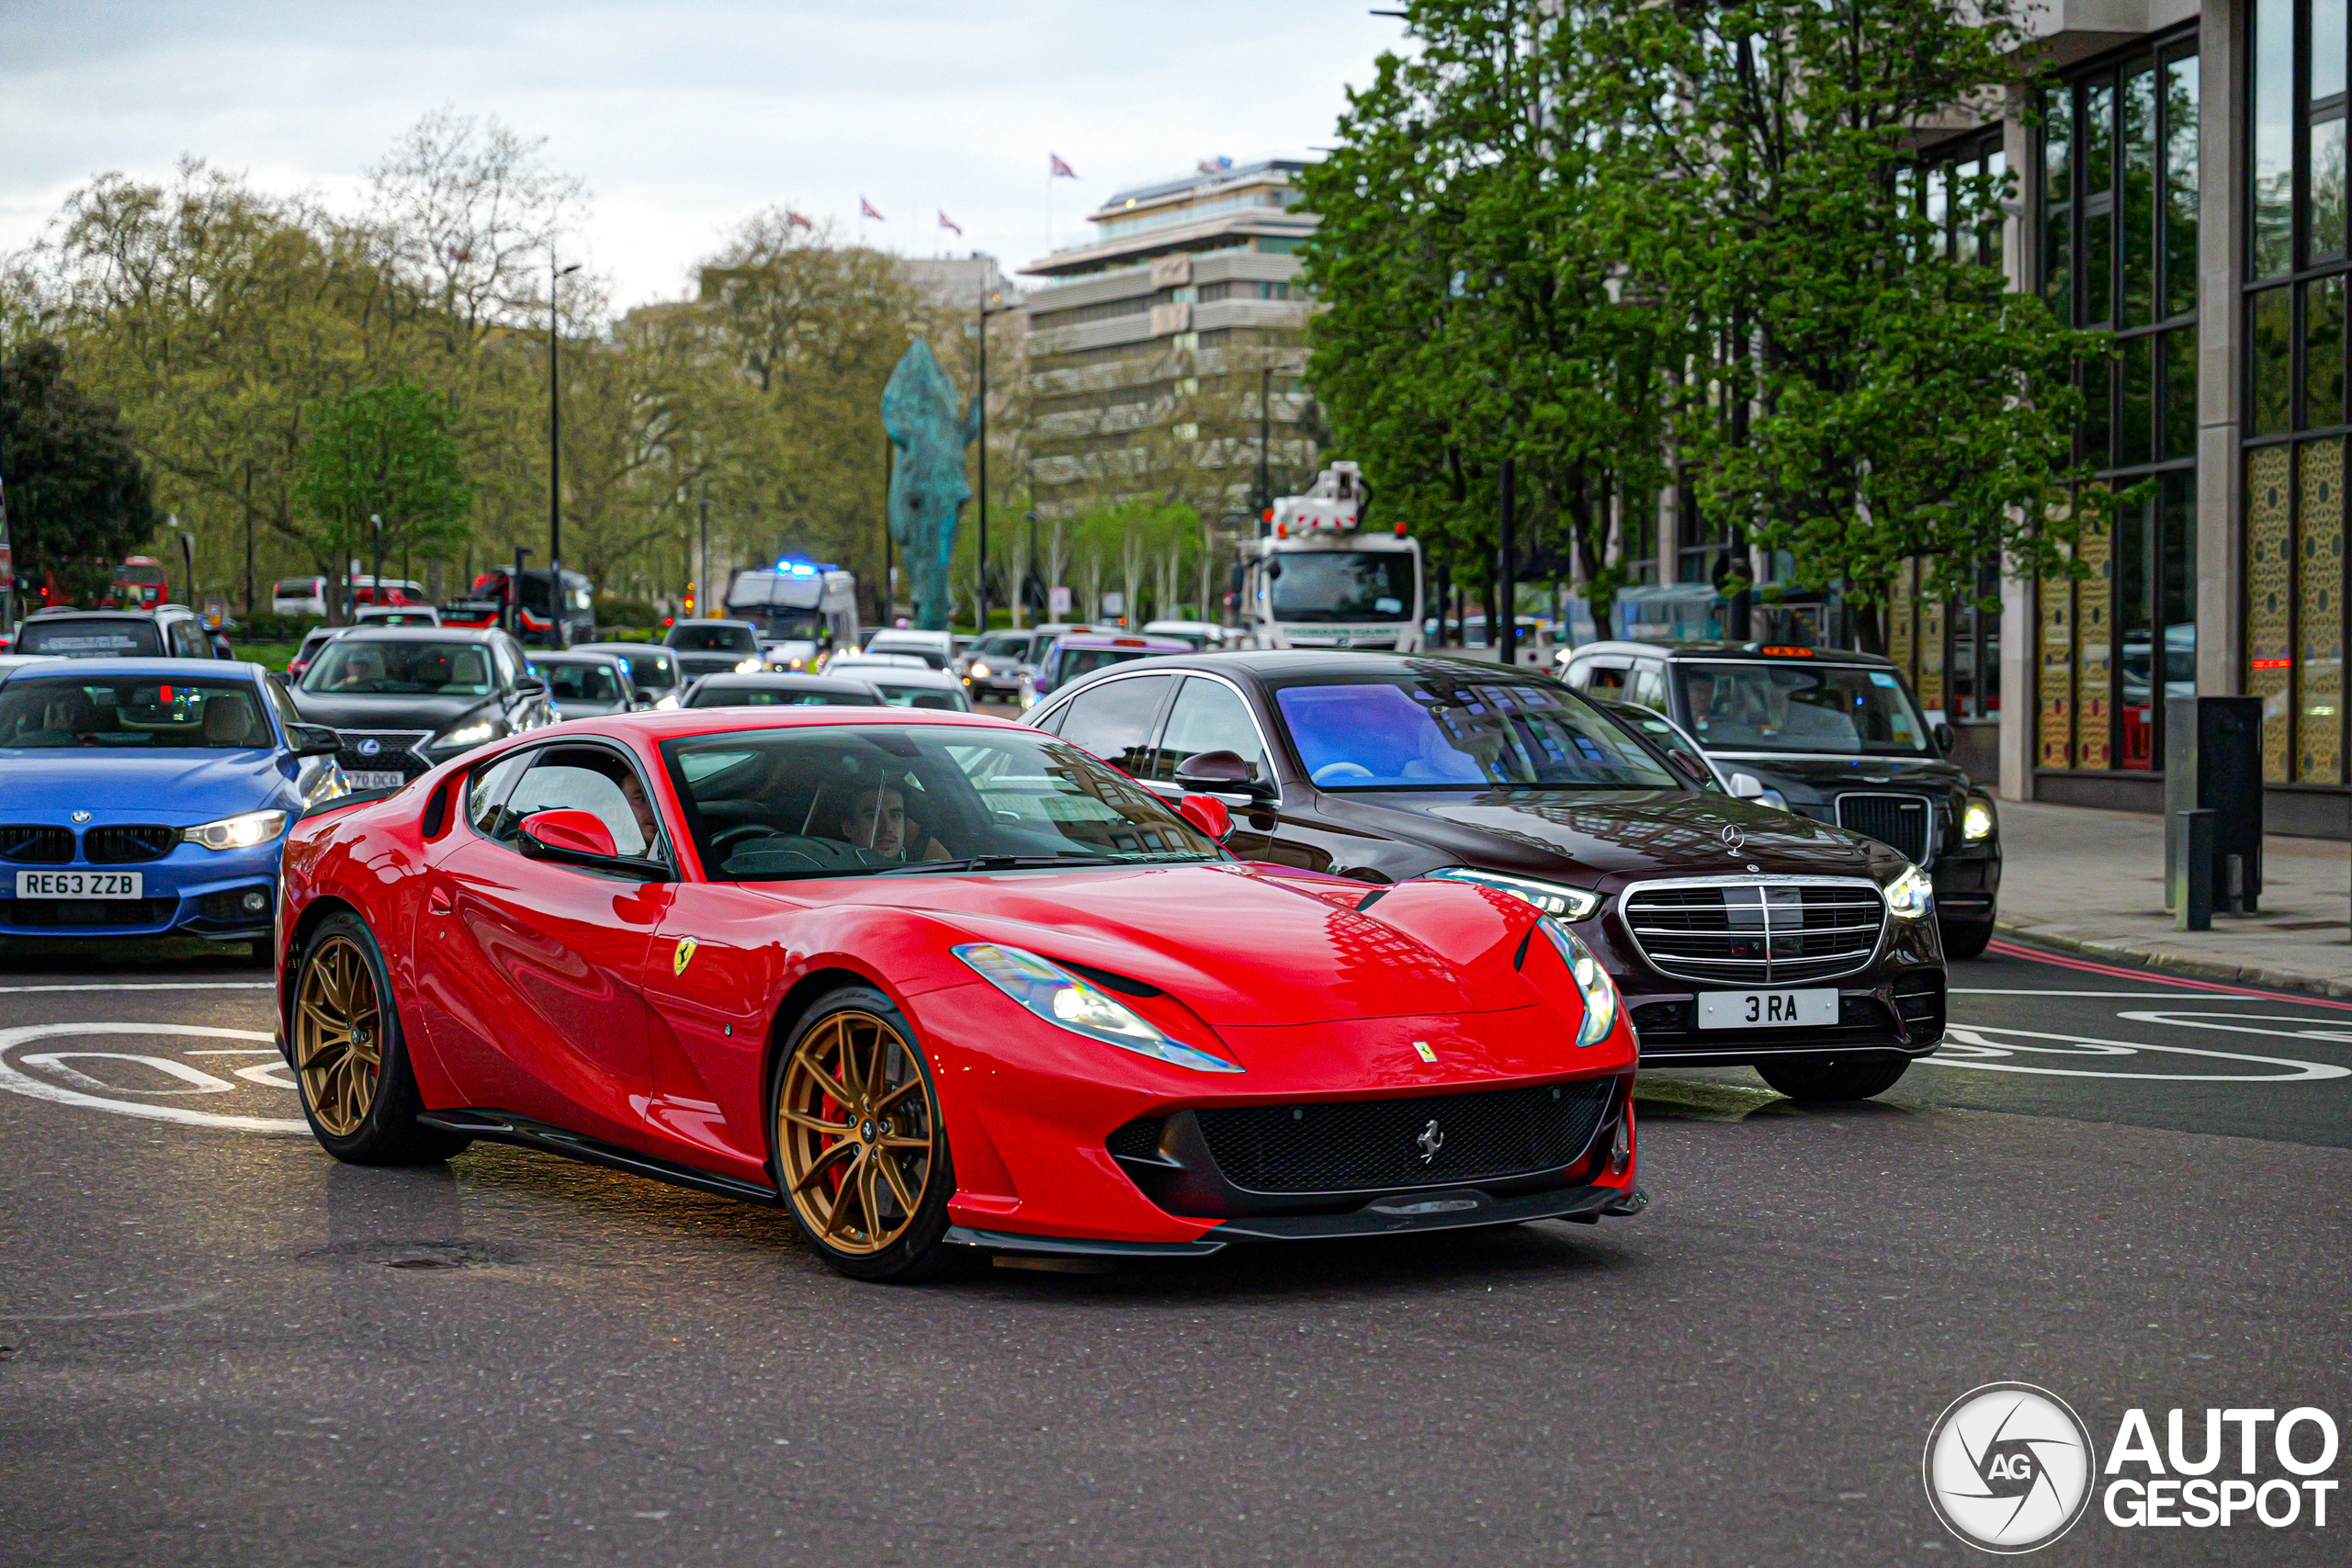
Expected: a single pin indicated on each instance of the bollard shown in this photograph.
(2192, 900)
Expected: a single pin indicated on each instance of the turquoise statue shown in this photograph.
(927, 485)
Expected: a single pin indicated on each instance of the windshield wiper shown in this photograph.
(1004, 862)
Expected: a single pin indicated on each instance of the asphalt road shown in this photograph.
(223, 1349)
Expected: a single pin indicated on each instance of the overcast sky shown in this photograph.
(685, 116)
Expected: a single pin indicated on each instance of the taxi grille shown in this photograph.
(128, 844)
(1901, 821)
(1755, 933)
(28, 845)
(1371, 1145)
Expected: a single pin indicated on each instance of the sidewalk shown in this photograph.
(2092, 882)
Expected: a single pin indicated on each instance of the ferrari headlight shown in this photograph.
(750, 666)
(1976, 822)
(1062, 998)
(237, 832)
(1911, 897)
(472, 734)
(1599, 992)
(1569, 903)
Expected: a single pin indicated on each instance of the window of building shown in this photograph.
(2295, 312)
(2118, 181)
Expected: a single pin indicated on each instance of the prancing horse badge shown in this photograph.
(683, 956)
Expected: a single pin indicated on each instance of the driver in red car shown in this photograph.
(876, 819)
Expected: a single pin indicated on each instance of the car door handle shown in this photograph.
(437, 902)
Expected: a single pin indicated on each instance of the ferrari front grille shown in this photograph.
(1362, 1145)
(1905, 822)
(128, 844)
(1769, 931)
(28, 845)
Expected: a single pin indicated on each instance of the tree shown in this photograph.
(79, 497)
(385, 452)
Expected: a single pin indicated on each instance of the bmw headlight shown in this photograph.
(465, 735)
(237, 832)
(1593, 983)
(1976, 822)
(1063, 1000)
(1911, 897)
(1569, 903)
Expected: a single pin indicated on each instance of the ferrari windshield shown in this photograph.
(1449, 729)
(1837, 708)
(856, 800)
(126, 713)
(366, 667)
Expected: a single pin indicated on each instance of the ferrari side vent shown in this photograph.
(33, 845)
(1139, 1139)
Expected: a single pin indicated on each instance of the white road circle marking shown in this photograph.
(1969, 1048)
(19, 1082)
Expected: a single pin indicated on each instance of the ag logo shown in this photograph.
(2008, 1468)
(683, 956)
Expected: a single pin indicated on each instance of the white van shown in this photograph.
(299, 596)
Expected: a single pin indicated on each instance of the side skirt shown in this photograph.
(502, 1127)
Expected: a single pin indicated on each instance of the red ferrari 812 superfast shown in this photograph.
(933, 982)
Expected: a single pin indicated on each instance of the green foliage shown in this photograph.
(79, 497)
(1630, 241)
(384, 452)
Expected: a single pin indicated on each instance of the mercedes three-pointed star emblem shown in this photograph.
(1733, 837)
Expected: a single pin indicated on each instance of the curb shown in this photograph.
(2176, 964)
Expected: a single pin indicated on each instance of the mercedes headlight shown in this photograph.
(237, 832)
(1599, 992)
(1569, 903)
(1062, 998)
(465, 735)
(1976, 822)
(1911, 897)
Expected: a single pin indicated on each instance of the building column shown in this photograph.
(2222, 161)
(2021, 259)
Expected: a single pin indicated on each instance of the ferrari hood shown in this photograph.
(1243, 945)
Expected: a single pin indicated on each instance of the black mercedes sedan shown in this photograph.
(406, 699)
(1831, 735)
(1735, 933)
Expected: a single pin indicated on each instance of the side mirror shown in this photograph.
(1946, 738)
(530, 686)
(1207, 813)
(1748, 787)
(314, 740)
(582, 833)
(1221, 773)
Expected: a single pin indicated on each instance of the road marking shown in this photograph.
(2120, 996)
(2035, 955)
(167, 986)
(21, 1083)
(2341, 1034)
(1968, 1047)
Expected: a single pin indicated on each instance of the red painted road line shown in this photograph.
(2154, 976)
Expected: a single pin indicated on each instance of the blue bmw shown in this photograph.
(151, 797)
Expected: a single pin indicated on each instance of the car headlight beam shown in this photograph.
(465, 735)
(1551, 898)
(1061, 998)
(1976, 822)
(1599, 992)
(241, 832)
(1911, 897)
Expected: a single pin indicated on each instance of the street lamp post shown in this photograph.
(702, 563)
(555, 465)
(980, 593)
(1504, 637)
(376, 530)
(515, 592)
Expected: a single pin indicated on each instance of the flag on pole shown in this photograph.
(947, 222)
(1217, 166)
(1057, 170)
(794, 220)
(866, 210)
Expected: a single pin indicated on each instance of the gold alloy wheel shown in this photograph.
(856, 1124)
(338, 1035)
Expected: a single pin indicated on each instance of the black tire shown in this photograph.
(919, 1252)
(388, 1132)
(1827, 1079)
(1964, 939)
